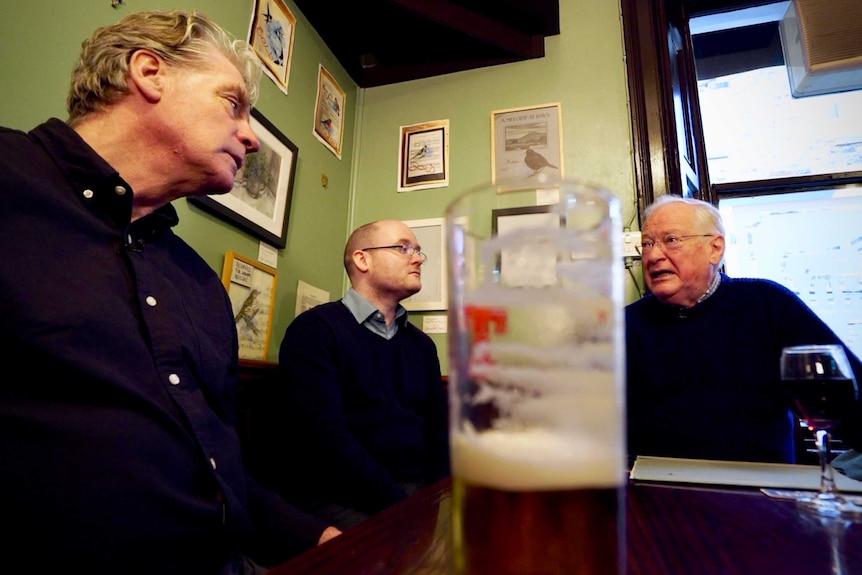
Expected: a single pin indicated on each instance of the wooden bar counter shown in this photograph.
(671, 529)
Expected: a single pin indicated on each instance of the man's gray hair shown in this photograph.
(181, 38)
(707, 216)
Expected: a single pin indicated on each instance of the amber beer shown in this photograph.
(516, 530)
(536, 380)
(565, 532)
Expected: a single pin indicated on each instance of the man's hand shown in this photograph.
(328, 533)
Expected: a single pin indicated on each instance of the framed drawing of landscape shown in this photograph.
(526, 143)
(260, 200)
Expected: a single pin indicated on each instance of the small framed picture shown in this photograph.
(260, 200)
(271, 36)
(526, 142)
(423, 157)
(526, 263)
(329, 111)
(432, 296)
(251, 288)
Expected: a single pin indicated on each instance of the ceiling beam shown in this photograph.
(476, 25)
(371, 77)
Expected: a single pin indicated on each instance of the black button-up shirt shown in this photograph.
(117, 414)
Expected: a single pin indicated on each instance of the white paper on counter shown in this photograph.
(704, 471)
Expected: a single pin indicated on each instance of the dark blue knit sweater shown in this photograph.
(357, 413)
(704, 382)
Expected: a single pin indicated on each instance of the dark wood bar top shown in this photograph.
(671, 529)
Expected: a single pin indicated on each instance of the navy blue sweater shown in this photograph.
(360, 413)
(704, 382)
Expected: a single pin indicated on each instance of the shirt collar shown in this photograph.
(711, 290)
(366, 314)
(95, 179)
(684, 312)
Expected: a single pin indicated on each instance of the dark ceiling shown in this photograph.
(383, 42)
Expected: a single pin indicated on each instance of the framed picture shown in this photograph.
(251, 287)
(329, 111)
(526, 142)
(260, 200)
(535, 267)
(271, 36)
(423, 157)
(432, 296)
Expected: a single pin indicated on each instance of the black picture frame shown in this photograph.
(260, 200)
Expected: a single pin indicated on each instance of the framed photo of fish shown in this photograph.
(527, 143)
(251, 288)
(329, 112)
(271, 35)
(423, 157)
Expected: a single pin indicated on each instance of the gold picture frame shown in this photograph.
(526, 142)
(329, 111)
(271, 34)
(251, 288)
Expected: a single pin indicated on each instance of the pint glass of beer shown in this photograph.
(536, 376)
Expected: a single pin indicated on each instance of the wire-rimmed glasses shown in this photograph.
(403, 249)
(670, 243)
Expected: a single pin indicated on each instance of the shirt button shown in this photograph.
(120, 190)
(89, 194)
(174, 379)
(151, 301)
(212, 462)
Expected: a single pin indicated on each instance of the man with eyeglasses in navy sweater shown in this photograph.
(703, 349)
(360, 417)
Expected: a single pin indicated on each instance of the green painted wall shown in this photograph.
(583, 70)
(40, 42)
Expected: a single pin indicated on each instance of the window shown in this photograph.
(770, 158)
(754, 129)
(810, 242)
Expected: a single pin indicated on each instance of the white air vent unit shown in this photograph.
(822, 43)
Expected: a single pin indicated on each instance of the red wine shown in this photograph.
(821, 403)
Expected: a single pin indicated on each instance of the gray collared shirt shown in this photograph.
(712, 287)
(371, 317)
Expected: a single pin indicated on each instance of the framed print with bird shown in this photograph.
(423, 157)
(251, 288)
(527, 143)
(271, 36)
(329, 111)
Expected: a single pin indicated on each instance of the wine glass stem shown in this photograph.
(827, 481)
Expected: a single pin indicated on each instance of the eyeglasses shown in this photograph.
(670, 243)
(403, 249)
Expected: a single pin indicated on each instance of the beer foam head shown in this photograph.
(536, 460)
